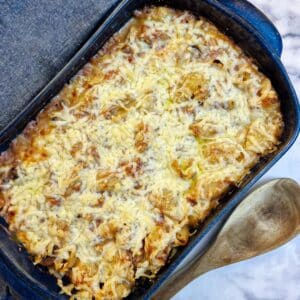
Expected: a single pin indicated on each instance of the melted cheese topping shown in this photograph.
(136, 151)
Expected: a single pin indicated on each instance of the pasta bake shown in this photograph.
(134, 153)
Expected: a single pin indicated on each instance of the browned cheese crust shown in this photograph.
(136, 151)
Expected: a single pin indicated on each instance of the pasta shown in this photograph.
(136, 151)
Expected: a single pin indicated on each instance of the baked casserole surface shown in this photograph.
(124, 163)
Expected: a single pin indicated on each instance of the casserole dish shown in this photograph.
(267, 61)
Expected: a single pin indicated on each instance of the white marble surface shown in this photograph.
(275, 275)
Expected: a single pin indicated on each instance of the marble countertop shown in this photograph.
(275, 275)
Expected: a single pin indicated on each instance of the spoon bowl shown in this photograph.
(266, 219)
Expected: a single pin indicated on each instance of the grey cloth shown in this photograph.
(37, 38)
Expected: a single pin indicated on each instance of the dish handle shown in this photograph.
(259, 21)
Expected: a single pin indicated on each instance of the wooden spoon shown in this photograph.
(266, 219)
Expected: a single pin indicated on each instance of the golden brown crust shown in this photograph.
(136, 151)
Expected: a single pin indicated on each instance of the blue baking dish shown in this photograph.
(254, 33)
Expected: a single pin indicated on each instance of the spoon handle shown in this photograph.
(266, 219)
